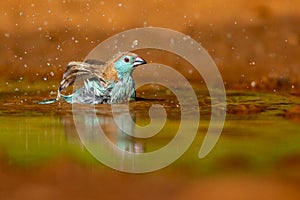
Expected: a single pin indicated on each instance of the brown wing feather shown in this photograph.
(95, 68)
(84, 70)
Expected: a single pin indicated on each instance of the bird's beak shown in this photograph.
(139, 61)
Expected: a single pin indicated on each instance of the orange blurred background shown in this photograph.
(249, 40)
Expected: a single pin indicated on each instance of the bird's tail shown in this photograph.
(67, 98)
(48, 101)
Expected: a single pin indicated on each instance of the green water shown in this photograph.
(250, 142)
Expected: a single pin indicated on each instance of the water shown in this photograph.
(40, 146)
(32, 133)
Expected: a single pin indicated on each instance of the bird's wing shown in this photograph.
(82, 70)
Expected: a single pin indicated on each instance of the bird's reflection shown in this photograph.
(101, 120)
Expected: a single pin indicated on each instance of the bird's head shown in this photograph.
(126, 62)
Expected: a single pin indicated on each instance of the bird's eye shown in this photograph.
(126, 59)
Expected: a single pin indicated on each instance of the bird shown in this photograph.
(103, 82)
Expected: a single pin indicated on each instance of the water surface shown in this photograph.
(256, 137)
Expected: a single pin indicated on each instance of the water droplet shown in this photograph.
(6, 35)
(51, 73)
(253, 84)
(120, 4)
(172, 41)
(252, 63)
(134, 43)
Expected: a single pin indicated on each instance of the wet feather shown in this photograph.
(104, 82)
